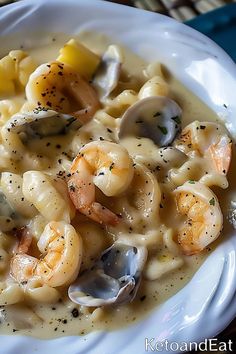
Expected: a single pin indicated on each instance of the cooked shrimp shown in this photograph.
(57, 86)
(209, 140)
(61, 248)
(25, 241)
(105, 165)
(204, 221)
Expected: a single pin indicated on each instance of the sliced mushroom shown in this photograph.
(115, 278)
(107, 76)
(40, 123)
(157, 118)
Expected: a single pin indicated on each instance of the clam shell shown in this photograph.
(40, 123)
(107, 76)
(115, 278)
(7, 214)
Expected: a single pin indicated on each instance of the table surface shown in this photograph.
(196, 13)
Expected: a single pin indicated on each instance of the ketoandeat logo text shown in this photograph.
(208, 345)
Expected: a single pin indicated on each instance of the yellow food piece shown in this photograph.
(7, 67)
(80, 58)
(7, 87)
(15, 69)
(17, 55)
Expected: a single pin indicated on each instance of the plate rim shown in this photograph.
(228, 248)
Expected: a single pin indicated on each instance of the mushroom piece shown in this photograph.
(115, 278)
(157, 118)
(40, 123)
(107, 75)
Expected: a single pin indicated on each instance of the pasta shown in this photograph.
(11, 184)
(156, 86)
(9, 107)
(15, 69)
(39, 292)
(106, 188)
(95, 241)
(10, 293)
(49, 203)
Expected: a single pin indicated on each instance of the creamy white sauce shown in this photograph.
(64, 317)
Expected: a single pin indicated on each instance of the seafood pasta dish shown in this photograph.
(111, 185)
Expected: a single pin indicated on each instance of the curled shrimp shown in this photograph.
(105, 165)
(61, 249)
(203, 216)
(209, 140)
(57, 86)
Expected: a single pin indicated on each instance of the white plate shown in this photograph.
(208, 303)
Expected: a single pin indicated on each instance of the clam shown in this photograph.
(115, 278)
(7, 214)
(40, 123)
(232, 214)
(107, 76)
(5, 208)
(157, 118)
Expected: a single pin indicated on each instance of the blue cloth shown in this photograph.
(220, 26)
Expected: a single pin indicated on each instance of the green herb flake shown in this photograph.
(163, 129)
(212, 201)
(176, 119)
(111, 166)
(191, 182)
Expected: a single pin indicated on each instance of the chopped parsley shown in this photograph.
(212, 201)
(163, 129)
(191, 182)
(176, 119)
(111, 166)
